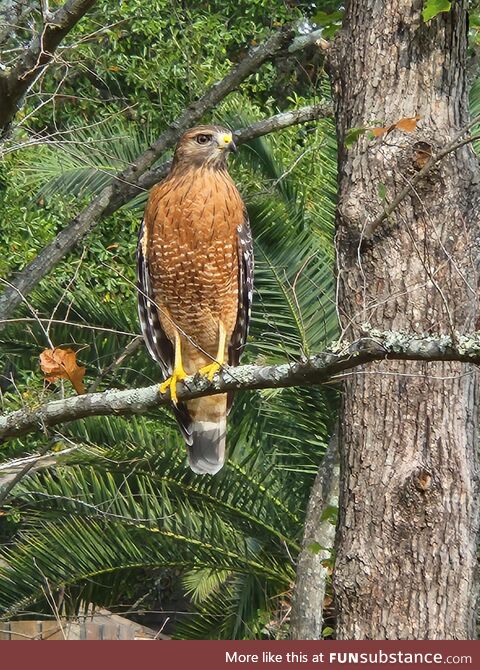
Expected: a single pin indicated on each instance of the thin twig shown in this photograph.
(131, 347)
(64, 322)
(5, 491)
(16, 81)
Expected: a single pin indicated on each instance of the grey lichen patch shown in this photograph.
(469, 344)
(394, 341)
(280, 371)
(428, 344)
(199, 382)
(339, 347)
(242, 375)
(401, 341)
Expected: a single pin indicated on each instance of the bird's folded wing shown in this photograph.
(158, 344)
(245, 291)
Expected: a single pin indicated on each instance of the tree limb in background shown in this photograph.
(306, 619)
(316, 369)
(257, 129)
(127, 184)
(15, 82)
(12, 16)
(131, 348)
(13, 471)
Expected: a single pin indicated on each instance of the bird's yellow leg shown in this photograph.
(178, 372)
(210, 369)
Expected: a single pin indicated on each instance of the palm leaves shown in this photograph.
(122, 507)
(104, 515)
(86, 164)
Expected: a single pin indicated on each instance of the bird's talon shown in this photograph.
(210, 370)
(171, 383)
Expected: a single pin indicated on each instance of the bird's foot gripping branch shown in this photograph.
(317, 369)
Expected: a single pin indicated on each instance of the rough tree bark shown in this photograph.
(409, 516)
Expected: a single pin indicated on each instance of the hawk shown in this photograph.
(195, 281)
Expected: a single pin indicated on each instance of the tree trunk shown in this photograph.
(306, 619)
(409, 516)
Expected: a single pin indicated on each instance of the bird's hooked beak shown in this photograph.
(225, 142)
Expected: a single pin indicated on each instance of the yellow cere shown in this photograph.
(227, 139)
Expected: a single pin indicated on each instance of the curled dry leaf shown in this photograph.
(61, 363)
(407, 124)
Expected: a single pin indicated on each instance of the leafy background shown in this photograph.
(114, 517)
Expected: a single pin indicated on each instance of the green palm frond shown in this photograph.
(199, 584)
(123, 505)
(156, 511)
(81, 549)
(294, 312)
(85, 165)
(233, 611)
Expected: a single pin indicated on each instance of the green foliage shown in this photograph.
(147, 61)
(118, 507)
(329, 21)
(315, 548)
(330, 514)
(108, 512)
(431, 8)
(353, 135)
(382, 192)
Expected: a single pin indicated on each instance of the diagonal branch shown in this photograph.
(15, 82)
(12, 16)
(316, 369)
(258, 129)
(127, 184)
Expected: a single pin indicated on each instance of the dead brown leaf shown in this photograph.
(407, 124)
(61, 363)
(378, 132)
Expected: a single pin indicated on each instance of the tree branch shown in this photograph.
(11, 472)
(127, 184)
(317, 369)
(249, 133)
(14, 83)
(12, 15)
(306, 619)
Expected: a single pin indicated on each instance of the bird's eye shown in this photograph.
(203, 139)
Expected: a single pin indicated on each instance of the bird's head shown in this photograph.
(204, 146)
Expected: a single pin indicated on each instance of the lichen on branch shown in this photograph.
(320, 368)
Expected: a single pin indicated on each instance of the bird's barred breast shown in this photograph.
(192, 222)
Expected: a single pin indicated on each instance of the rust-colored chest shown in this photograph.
(192, 225)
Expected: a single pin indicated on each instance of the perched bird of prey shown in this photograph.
(195, 280)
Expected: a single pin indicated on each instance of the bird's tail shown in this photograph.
(206, 451)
